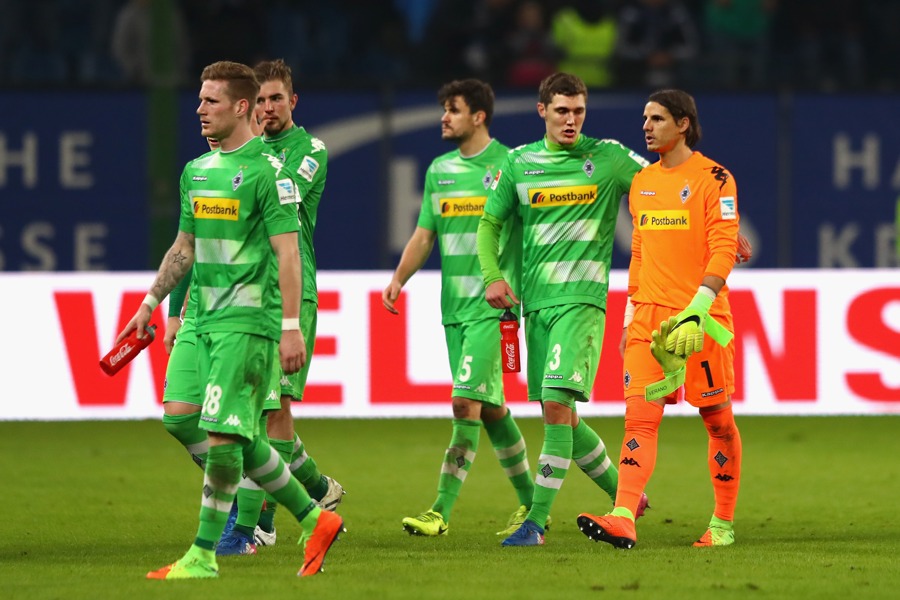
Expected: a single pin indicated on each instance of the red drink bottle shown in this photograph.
(126, 350)
(509, 342)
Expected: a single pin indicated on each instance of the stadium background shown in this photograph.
(100, 100)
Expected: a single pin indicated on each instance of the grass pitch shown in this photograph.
(92, 506)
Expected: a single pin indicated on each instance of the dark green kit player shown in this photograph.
(238, 229)
(456, 187)
(566, 189)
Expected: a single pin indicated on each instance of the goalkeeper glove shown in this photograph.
(686, 337)
(672, 364)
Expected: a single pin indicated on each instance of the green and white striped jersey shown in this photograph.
(305, 160)
(456, 189)
(233, 202)
(568, 200)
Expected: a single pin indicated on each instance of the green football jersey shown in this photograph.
(305, 161)
(456, 189)
(233, 202)
(568, 200)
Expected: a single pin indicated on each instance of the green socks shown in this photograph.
(457, 461)
(553, 464)
(220, 482)
(590, 455)
(509, 446)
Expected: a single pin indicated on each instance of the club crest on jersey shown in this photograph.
(685, 193)
(487, 179)
(588, 168)
(237, 180)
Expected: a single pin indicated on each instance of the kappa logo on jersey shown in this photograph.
(576, 377)
(685, 193)
(664, 219)
(720, 175)
(463, 207)
(308, 168)
(562, 196)
(588, 168)
(647, 193)
(446, 181)
(487, 179)
(225, 209)
(317, 145)
(237, 180)
(497, 179)
(198, 178)
(233, 421)
(273, 395)
(287, 193)
(533, 172)
(277, 162)
(726, 207)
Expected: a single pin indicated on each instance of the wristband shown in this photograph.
(290, 324)
(629, 314)
(663, 388)
(151, 301)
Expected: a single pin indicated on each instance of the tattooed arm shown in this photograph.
(175, 264)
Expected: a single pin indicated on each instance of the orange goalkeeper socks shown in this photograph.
(639, 447)
(724, 459)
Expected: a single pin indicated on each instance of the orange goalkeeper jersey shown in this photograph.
(685, 227)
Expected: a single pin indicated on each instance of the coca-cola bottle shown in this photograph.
(509, 342)
(126, 350)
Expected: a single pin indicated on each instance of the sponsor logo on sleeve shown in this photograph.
(497, 179)
(726, 207)
(224, 209)
(462, 207)
(562, 196)
(664, 219)
(287, 193)
(308, 168)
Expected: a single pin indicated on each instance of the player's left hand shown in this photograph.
(686, 335)
(292, 351)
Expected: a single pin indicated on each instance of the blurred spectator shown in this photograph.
(738, 36)
(132, 44)
(465, 38)
(36, 56)
(585, 31)
(418, 13)
(378, 42)
(657, 43)
(226, 30)
(882, 34)
(532, 52)
(828, 43)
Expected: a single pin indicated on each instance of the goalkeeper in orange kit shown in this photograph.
(684, 245)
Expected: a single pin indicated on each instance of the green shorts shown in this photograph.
(564, 348)
(236, 370)
(293, 385)
(474, 349)
(182, 383)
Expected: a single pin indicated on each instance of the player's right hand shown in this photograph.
(668, 360)
(500, 295)
(139, 321)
